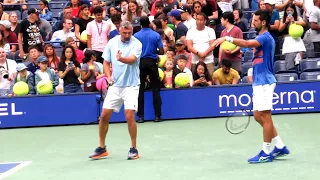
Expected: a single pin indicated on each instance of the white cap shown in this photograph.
(271, 2)
(6, 24)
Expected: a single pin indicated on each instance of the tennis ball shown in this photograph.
(182, 79)
(163, 59)
(161, 74)
(228, 46)
(295, 31)
(20, 88)
(168, 86)
(84, 35)
(91, 67)
(44, 87)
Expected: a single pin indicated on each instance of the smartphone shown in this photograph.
(202, 76)
(70, 64)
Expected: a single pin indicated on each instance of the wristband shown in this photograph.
(229, 39)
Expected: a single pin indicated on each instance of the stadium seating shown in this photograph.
(310, 76)
(308, 65)
(245, 67)
(244, 80)
(280, 66)
(286, 77)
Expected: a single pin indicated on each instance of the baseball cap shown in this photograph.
(179, 41)
(6, 24)
(186, 9)
(118, 8)
(33, 10)
(136, 22)
(271, 2)
(42, 59)
(175, 13)
(21, 67)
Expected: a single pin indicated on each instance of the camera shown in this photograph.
(4, 72)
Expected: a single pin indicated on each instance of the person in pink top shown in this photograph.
(79, 53)
(227, 21)
(98, 32)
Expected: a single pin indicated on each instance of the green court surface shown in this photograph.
(199, 149)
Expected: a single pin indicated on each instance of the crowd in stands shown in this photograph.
(36, 43)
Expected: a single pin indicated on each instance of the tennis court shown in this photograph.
(199, 149)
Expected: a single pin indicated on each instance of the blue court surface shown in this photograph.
(7, 168)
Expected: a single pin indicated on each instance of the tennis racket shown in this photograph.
(238, 121)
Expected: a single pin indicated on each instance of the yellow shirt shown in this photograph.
(225, 78)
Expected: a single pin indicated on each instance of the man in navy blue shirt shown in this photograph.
(151, 47)
(116, 20)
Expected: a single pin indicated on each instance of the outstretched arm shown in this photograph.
(238, 42)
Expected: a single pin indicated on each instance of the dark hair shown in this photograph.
(228, 15)
(144, 21)
(63, 55)
(166, 10)
(182, 56)
(226, 63)
(240, 12)
(116, 18)
(264, 15)
(157, 15)
(4, 40)
(206, 72)
(87, 56)
(33, 47)
(194, 3)
(203, 15)
(46, 3)
(163, 17)
(160, 31)
(109, 9)
(82, 7)
(97, 10)
(159, 4)
(294, 15)
(157, 22)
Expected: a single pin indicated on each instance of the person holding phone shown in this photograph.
(201, 75)
(69, 70)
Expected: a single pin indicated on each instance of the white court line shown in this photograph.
(15, 169)
(310, 107)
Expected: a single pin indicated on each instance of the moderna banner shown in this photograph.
(216, 101)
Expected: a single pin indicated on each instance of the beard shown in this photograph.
(258, 29)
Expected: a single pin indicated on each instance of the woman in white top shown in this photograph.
(292, 47)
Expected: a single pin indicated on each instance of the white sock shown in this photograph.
(278, 142)
(266, 147)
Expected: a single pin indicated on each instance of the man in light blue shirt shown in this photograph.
(123, 52)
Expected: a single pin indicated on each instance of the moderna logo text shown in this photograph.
(233, 100)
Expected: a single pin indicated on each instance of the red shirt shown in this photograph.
(235, 32)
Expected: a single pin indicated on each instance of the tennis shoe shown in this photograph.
(133, 154)
(277, 153)
(262, 157)
(99, 153)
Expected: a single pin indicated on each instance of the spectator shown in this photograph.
(133, 11)
(175, 18)
(116, 20)
(186, 16)
(11, 39)
(33, 56)
(3, 15)
(15, 25)
(181, 68)
(170, 4)
(8, 71)
(292, 48)
(168, 74)
(45, 29)
(151, 47)
(136, 24)
(227, 21)
(69, 70)
(23, 75)
(197, 9)
(81, 25)
(124, 6)
(201, 75)
(237, 13)
(282, 4)
(45, 10)
(159, 6)
(98, 33)
(210, 9)
(67, 14)
(274, 24)
(225, 74)
(95, 3)
(75, 5)
(4, 43)
(29, 34)
(90, 72)
(64, 33)
(79, 53)
(199, 41)
(45, 73)
(53, 59)
(180, 50)
(314, 20)
(167, 31)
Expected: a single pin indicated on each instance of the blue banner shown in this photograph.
(216, 101)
